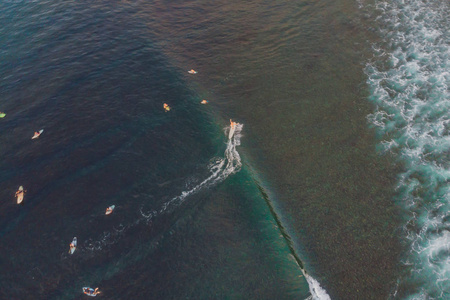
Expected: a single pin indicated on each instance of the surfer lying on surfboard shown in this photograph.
(166, 107)
(73, 246)
(90, 291)
(37, 134)
(192, 71)
(110, 209)
(19, 194)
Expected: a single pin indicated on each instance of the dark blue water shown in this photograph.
(94, 76)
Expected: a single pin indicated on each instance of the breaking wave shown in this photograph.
(409, 81)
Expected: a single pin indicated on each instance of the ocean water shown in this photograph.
(190, 221)
(332, 187)
(409, 78)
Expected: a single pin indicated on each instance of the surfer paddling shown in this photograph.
(204, 102)
(37, 134)
(73, 245)
(192, 71)
(166, 107)
(91, 292)
(110, 209)
(19, 194)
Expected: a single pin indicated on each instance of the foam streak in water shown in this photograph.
(220, 170)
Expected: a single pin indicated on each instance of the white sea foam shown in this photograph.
(317, 292)
(409, 78)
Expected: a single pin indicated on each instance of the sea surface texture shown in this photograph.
(409, 78)
(332, 186)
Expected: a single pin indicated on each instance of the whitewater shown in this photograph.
(409, 82)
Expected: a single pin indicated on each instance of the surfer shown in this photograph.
(192, 71)
(37, 134)
(19, 194)
(91, 291)
(233, 124)
(72, 248)
(204, 102)
(109, 209)
(166, 107)
(232, 129)
(73, 245)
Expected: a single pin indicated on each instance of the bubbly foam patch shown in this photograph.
(317, 292)
(409, 81)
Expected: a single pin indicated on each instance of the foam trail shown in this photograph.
(220, 170)
(409, 80)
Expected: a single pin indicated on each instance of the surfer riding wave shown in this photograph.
(219, 169)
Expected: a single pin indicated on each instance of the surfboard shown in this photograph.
(192, 71)
(35, 136)
(89, 291)
(2, 115)
(230, 134)
(110, 209)
(74, 243)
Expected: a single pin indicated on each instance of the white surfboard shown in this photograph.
(35, 136)
(230, 134)
(74, 244)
